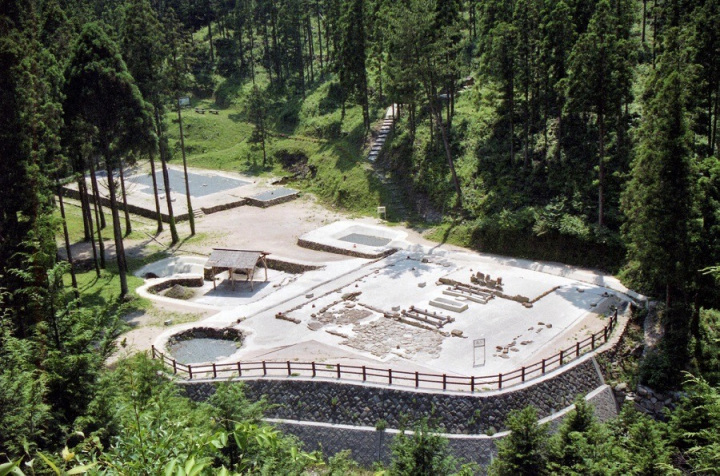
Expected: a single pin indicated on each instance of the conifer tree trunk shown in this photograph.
(210, 40)
(98, 212)
(319, 34)
(117, 232)
(67, 239)
(84, 207)
(191, 216)
(96, 195)
(601, 171)
(166, 178)
(156, 195)
(88, 217)
(128, 225)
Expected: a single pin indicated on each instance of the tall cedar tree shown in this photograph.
(101, 93)
(600, 79)
(351, 57)
(145, 54)
(660, 196)
(420, 58)
(29, 147)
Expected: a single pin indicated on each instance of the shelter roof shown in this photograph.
(236, 259)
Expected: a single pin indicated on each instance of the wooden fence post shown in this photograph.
(364, 374)
(444, 382)
(288, 366)
(577, 349)
(174, 366)
(592, 346)
(472, 383)
(214, 371)
(239, 366)
(543, 366)
(264, 369)
(562, 356)
(338, 370)
(417, 379)
(389, 376)
(522, 379)
(313, 369)
(499, 381)
(189, 372)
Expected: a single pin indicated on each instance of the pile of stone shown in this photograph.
(646, 399)
(485, 280)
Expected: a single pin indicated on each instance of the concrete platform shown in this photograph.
(343, 305)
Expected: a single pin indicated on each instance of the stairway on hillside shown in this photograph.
(400, 206)
(396, 205)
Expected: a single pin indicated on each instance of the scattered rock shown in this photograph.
(310, 295)
(456, 333)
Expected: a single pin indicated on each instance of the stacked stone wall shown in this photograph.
(364, 405)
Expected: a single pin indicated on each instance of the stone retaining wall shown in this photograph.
(369, 445)
(329, 401)
(311, 245)
(269, 203)
(223, 206)
(190, 282)
(291, 266)
(134, 209)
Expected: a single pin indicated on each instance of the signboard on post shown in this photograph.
(184, 102)
(479, 352)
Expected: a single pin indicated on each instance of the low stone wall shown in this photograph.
(190, 282)
(311, 245)
(223, 206)
(275, 201)
(273, 263)
(369, 445)
(291, 266)
(457, 413)
(227, 333)
(134, 209)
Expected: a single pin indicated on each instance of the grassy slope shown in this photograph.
(220, 142)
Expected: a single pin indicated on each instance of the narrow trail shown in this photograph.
(396, 207)
(399, 203)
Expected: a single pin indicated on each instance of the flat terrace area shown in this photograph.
(410, 310)
(209, 189)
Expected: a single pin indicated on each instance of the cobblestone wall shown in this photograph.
(369, 445)
(364, 405)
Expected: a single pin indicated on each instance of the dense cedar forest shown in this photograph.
(579, 131)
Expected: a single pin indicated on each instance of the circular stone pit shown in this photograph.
(204, 344)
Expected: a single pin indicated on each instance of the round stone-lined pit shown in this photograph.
(204, 344)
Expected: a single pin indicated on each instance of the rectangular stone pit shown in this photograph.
(449, 304)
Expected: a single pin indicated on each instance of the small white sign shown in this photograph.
(184, 102)
(479, 352)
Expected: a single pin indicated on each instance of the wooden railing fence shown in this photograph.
(389, 376)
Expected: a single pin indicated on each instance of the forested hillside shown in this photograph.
(580, 131)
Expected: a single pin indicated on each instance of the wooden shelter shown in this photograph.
(232, 260)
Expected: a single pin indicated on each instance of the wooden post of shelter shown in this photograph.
(245, 260)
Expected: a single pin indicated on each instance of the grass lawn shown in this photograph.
(312, 127)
